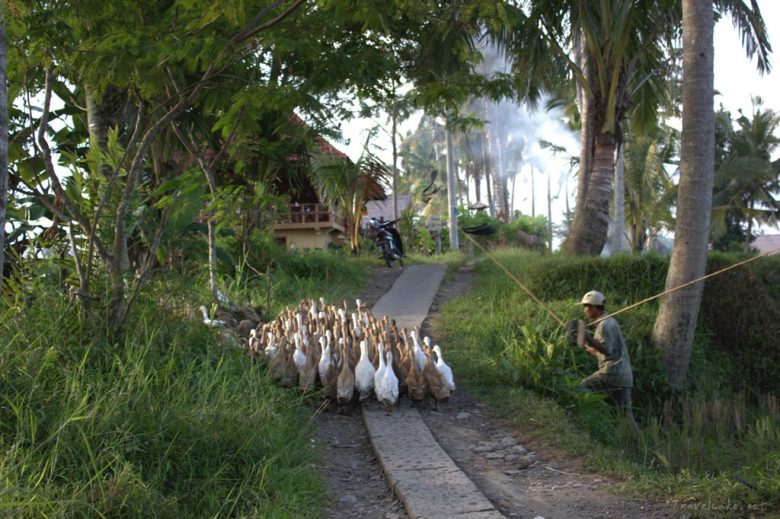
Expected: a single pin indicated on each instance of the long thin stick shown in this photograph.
(689, 283)
(514, 278)
(612, 314)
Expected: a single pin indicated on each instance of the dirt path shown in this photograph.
(522, 480)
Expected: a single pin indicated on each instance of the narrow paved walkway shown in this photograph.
(411, 296)
(423, 476)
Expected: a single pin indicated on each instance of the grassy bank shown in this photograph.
(719, 442)
(168, 422)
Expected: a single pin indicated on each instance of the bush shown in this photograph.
(743, 317)
(165, 423)
(506, 234)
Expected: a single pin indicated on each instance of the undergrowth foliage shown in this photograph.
(725, 427)
(170, 421)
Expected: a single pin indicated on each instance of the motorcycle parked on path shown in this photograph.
(388, 239)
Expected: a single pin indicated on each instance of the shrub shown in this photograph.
(165, 423)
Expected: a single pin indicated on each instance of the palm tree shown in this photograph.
(623, 54)
(422, 154)
(648, 188)
(746, 180)
(623, 51)
(676, 321)
(349, 186)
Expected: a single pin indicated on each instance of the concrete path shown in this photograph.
(421, 474)
(411, 296)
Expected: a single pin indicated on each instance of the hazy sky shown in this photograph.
(736, 77)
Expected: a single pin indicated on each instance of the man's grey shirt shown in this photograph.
(616, 366)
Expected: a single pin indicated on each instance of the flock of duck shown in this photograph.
(352, 355)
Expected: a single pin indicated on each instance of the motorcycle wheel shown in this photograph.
(388, 256)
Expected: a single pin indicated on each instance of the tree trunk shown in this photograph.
(549, 215)
(638, 236)
(511, 199)
(587, 132)
(591, 219)
(101, 117)
(590, 131)
(395, 154)
(477, 183)
(452, 177)
(3, 144)
(676, 323)
(500, 194)
(97, 127)
(488, 171)
(617, 225)
(749, 231)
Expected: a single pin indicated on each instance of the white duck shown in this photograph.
(325, 359)
(305, 339)
(387, 389)
(380, 369)
(443, 369)
(356, 326)
(419, 356)
(254, 341)
(299, 357)
(299, 320)
(361, 313)
(208, 321)
(271, 349)
(345, 384)
(364, 373)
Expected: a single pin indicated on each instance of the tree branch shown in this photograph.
(52, 174)
(251, 31)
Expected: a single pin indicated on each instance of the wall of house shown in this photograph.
(301, 239)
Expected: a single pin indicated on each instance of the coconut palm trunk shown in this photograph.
(591, 223)
(500, 191)
(674, 328)
(617, 226)
(586, 127)
(483, 147)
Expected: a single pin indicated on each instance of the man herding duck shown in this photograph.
(614, 376)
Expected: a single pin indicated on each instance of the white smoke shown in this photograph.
(521, 129)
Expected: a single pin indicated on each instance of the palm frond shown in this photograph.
(752, 30)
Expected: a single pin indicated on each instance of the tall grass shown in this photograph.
(297, 275)
(167, 422)
(722, 440)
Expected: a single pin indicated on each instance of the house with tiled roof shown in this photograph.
(383, 209)
(309, 222)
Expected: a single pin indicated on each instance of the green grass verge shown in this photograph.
(166, 423)
(716, 444)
